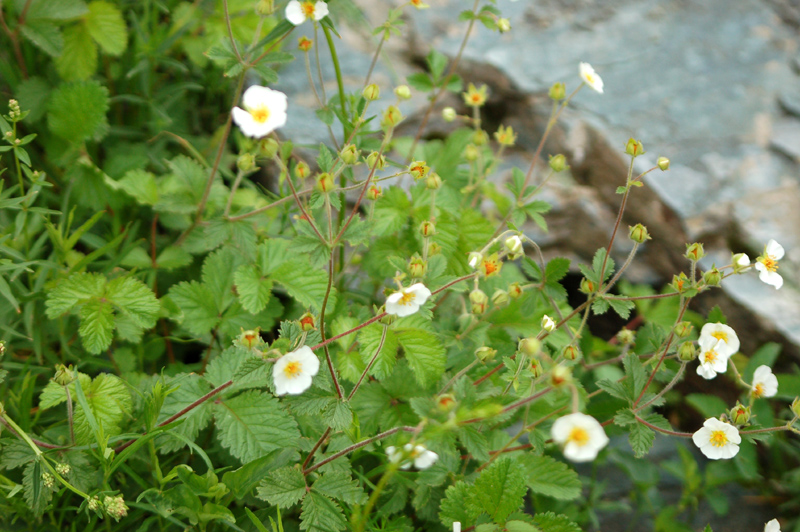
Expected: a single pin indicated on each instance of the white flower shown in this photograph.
(767, 264)
(264, 111)
(741, 262)
(474, 259)
(408, 300)
(513, 244)
(712, 361)
(717, 439)
(299, 12)
(293, 371)
(419, 455)
(765, 384)
(720, 337)
(457, 526)
(772, 526)
(591, 78)
(581, 436)
(548, 324)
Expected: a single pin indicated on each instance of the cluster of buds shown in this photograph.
(63, 469)
(48, 480)
(479, 301)
(14, 112)
(249, 339)
(115, 507)
(93, 503)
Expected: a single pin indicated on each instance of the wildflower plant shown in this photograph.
(206, 325)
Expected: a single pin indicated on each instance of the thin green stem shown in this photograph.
(371, 362)
(339, 80)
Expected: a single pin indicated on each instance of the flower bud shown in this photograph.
(513, 244)
(712, 277)
(505, 136)
(93, 503)
(680, 283)
(418, 170)
(434, 249)
(663, 163)
(427, 229)
(514, 291)
(374, 192)
(479, 301)
(325, 182)
(356, 259)
(500, 298)
(634, 148)
(448, 114)
(48, 480)
(694, 252)
(305, 44)
(302, 170)
(2, 348)
(795, 407)
(434, 181)
(687, 351)
(480, 137)
(64, 374)
(417, 267)
(740, 262)
(249, 339)
(626, 337)
(307, 322)
(402, 92)
(571, 352)
(587, 286)
(446, 402)
(503, 25)
(265, 7)
(558, 91)
(116, 507)
(246, 162)
(471, 153)
(388, 319)
(558, 163)
(559, 376)
(740, 414)
(474, 259)
(391, 117)
(548, 324)
(63, 469)
(638, 233)
(268, 148)
(349, 154)
(536, 368)
(371, 92)
(485, 354)
(374, 160)
(683, 329)
(529, 346)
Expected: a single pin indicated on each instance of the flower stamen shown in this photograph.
(293, 369)
(718, 438)
(579, 436)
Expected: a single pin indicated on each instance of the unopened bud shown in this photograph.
(268, 148)
(418, 170)
(480, 137)
(536, 368)
(548, 324)
(2, 348)
(388, 319)
(663, 163)
(434, 249)
(374, 192)
(634, 148)
(503, 25)
(93, 503)
(48, 480)
(325, 182)
(571, 352)
(479, 301)
(683, 329)
(448, 114)
(587, 286)
(417, 267)
(712, 277)
(558, 91)
(740, 414)
(687, 351)
(402, 92)
(795, 407)
(485, 354)
(302, 170)
(558, 163)
(505, 136)
(307, 322)
(741, 263)
(529, 346)
(559, 376)
(513, 244)
(64, 374)
(265, 7)
(116, 507)
(471, 153)
(246, 162)
(680, 283)
(694, 252)
(514, 291)
(371, 92)
(639, 234)
(305, 44)
(433, 181)
(626, 337)
(446, 402)
(63, 469)
(349, 154)
(474, 259)
(500, 298)
(391, 117)
(427, 229)
(250, 339)
(374, 160)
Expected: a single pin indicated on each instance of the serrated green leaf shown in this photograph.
(57, 9)
(391, 211)
(305, 284)
(621, 307)
(97, 325)
(252, 424)
(107, 27)
(548, 476)
(77, 288)
(200, 314)
(625, 417)
(190, 388)
(37, 496)
(636, 375)
(369, 338)
(615, 389)
(139, 184)
(45, 35)
(321, 514)
(475, 442)
(283, 487)
(597, 264)
(339, 485)
(521, 526)
(557, 269)
(133, 298)
(425, 354)
(254, 289)
(641, 439)
(110, 403)
(78, 59)
(454, 506)
(499, 490)
(77, 111)
(550, 522)
(338, 415)
(600, 306)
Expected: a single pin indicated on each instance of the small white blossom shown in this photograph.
(457, 526)
(767, 264)
(264, 111)
(772, 526)
(765, 384)
(408, 300)
(292, 372)
(63, 469)
(548, 324)
(719, 336)
(712, 361)
(581, 436)
(591, 78)
(298, 12)
(421, 457)
(717, 439)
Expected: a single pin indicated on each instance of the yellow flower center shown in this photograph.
(720, 335)
(260, 114)
(711, 356)
(590, 79)
(292, 369)
(489, 267)
(718, 438)
(758, 390)
(308, 9)
(579, 436)
(476, 98)
(769, 263)
(407, 298)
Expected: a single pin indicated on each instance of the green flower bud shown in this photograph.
(485, 354)
(626, 337)
(371, 92)
(558, 163)
(712, 277)
(638, 233)
(267, 148)
(587, 286)
(558, 91)
(741, 262)
(571, 352)
(530, 346)
(374, 160)
(307, 322)
(433, 182)
(250, 339)
(63, 469)
(325, 182)
(471, 153)
(402, 92)
(795, 407)
(683, 329)
(418, 170)
(513, 244)
(265, 7)
(480, 137)
(374, 192)
(48, 480)
(446, 402)
(514, 291)
(560, 376)
(448, 114)
(427, 229)
(302, 171)
(388, 319)
(2, 348)
(349, 154)
(634, 148)
(434, 249)
(64, 374)
(503, 25)
(663, 163)
(740, 414)
(536, 368)
(246, 162)
(391, 117)
(687, 351)
(500, 298)
(479, 301)
(417, 267)
(680, 283)
(694, 252)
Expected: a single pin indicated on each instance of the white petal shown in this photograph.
(308, 359)
(706, 372)
(320, 10)
(743, 260)
(421, 293)
(244, 120)
(772, 526)
(590, 77)
(771, 278)
(775, 250)
(294, 13)
(298, 385)
(457, 524)
(561, 429)
(578, 453)
(425, 459)
(701, 437)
